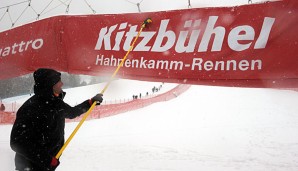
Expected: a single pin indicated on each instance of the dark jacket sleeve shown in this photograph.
(24, 139)
(72, 112)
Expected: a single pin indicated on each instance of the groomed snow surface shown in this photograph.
(204, 129)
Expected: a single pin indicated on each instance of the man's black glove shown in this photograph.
(98, 99)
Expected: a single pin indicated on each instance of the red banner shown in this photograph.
(244, 46)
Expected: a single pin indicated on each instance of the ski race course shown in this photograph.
(204, 128)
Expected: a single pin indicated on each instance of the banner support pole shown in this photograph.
(147, 21)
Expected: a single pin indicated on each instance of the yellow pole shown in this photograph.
(148, 20)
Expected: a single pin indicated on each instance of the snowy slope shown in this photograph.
(206, 128)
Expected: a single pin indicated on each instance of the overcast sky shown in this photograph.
(21, 13)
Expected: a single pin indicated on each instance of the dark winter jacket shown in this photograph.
(38, 132)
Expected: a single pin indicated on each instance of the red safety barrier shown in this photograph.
(113, 109)
(7, 117)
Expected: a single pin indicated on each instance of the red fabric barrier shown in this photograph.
(113, 109)
(7, 117)
(244, 46)
(109, 110)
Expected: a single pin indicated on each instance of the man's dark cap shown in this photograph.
(45, 77)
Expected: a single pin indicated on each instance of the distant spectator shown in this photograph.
(153, 89)
(134, 96)
(2, 108)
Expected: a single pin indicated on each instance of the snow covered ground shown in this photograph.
(205, 129)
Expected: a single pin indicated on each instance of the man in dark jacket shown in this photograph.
(38, 132)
